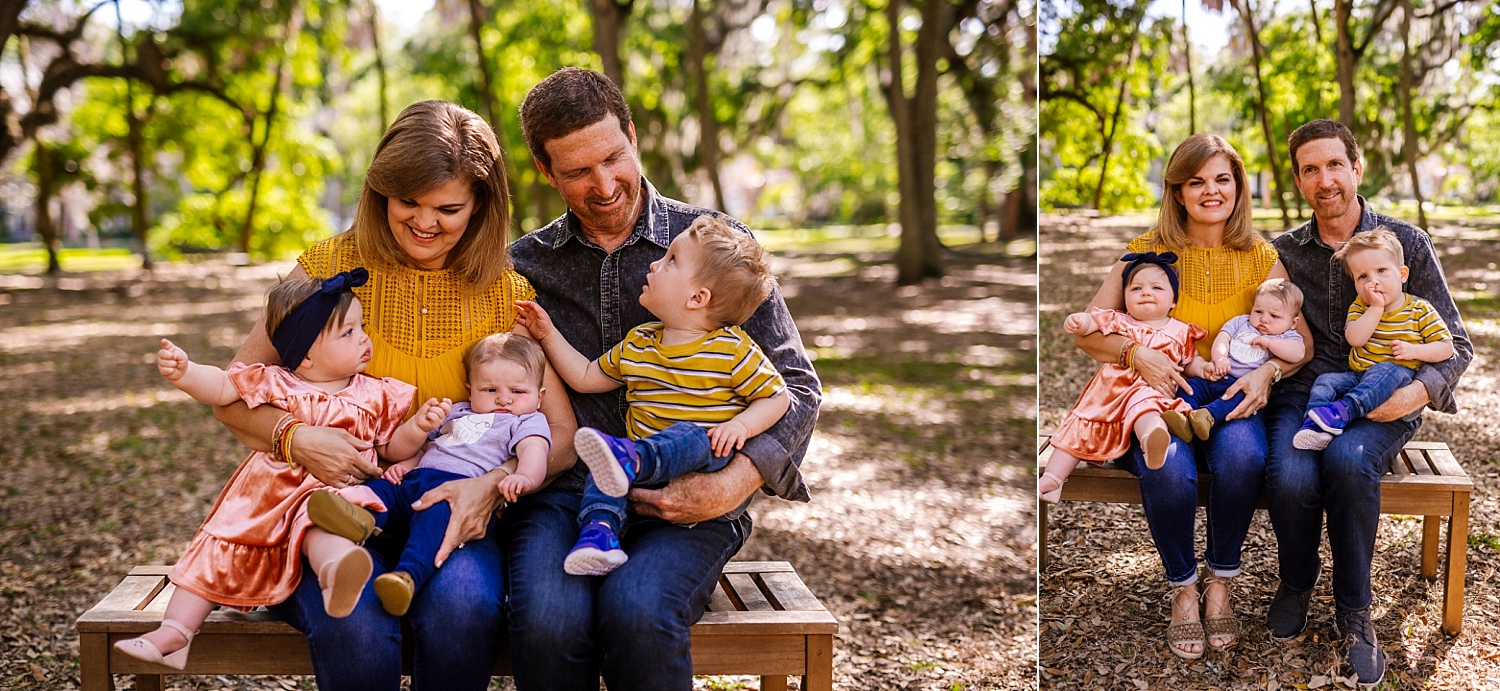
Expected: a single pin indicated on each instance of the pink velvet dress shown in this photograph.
(247, 553)
(1100, 426)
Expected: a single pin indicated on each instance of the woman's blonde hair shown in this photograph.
(1187, 159)
(429, 144)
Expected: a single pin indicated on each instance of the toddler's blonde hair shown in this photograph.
(1381, 238)
(733, 268)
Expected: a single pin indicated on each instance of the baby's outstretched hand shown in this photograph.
(171, 361)
(728, 437)
(1078, 323)
(534, 318)
(432, 413)
(513, 486)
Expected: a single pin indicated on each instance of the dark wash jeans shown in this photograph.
(630, 626)
(671, 453)
(457, 621)
(1362, 391)
(1344, 481)
(424, 529)
(1236, 455)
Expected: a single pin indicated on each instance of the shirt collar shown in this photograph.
(1309, 231)
(651, 226)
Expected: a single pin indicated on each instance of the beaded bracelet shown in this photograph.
(276, 435)
(1127, 355)
(286, 444)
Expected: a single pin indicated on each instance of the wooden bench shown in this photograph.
(1425, 480)
(761, 621)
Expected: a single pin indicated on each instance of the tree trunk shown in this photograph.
(1263, 93)
(708, 123)
(1187, 55)
(1344, 53)
(138, 209)
(385, 117)
(258, 149)
(609, 26)
(908, 252)
(45, 188)
(933, 35)
(1409, 124)
(486, 80)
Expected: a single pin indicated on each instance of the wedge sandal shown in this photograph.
(1184, 630)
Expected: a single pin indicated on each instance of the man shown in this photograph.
(1344, 478)
(588, 268)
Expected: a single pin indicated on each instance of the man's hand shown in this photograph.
(697, 497)
(171, 361)
(472, 500)
(332, 456)
(535, 319)
(1407, 400)
(1256, 385)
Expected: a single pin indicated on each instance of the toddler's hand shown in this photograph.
(1218, 368)
(728, 437)
(171, 361)
(1400, 349)
(513, 486)
(1074, 323)
(1377, 296)
(394, 473)
(534, 318)
(432, 413)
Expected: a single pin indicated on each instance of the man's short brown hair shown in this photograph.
(733, 267)
(1321, 129)
(1381, 238)
(1284, 290)
(571, 99)
(284, 297)
(509, 347)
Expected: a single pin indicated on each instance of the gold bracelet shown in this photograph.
(276, 435)
(286, 444)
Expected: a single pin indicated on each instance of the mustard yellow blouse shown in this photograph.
(421, 322)
(1216, 284)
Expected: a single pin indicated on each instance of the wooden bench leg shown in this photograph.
(819, 664)
(1432, 527)
(150, 682)
(773, 684)
(1041, 534)
(1457, 562)
(93, 662)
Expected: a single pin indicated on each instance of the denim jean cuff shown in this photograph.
(1225, 573)
(1191, 579)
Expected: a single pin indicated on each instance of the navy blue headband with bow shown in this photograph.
(1136, 260)
(297, 332)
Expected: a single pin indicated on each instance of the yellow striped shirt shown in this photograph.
(705, 382)
(1417, 321)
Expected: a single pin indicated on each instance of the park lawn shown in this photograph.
(31, 258)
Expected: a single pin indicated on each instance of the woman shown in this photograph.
(1205, 219)
(431, 228)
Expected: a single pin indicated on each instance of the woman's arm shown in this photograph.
(330, 455)
(1156, 369)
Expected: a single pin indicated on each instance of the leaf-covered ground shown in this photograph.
(1103, 599)
(920, 536)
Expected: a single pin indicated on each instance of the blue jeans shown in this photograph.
(457, 621)
(630, 626)
(675, 451)
(1344, 481)
(1236, 456)
(1361, 391)
(1208, 395)
(424, 529)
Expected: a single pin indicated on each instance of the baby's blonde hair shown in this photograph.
(734, 269)
(1281, 289)
(1381, 238)
(509, 347)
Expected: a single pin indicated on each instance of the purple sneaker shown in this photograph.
(613, 461)
(1332, 417)
(596, 553)
(1310, 437)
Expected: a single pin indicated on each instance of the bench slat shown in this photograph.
(1418, 462)
(747, 593)
(134, 593)
(1444, 462)
(719, 601)
(758, 567)
(787, 592)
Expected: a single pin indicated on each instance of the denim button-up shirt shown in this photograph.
(593, 297)
(1328, 293)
